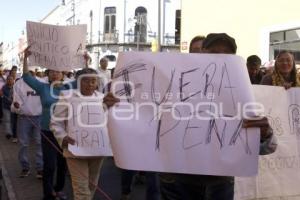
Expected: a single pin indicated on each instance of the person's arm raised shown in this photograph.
(27, 53)
(87, 59)
(30, 80)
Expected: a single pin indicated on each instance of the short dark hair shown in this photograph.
(253, 60)
(46, 72)
(212, 38)
(14, 67)
(196, 39)
(104, 59)
(85, 71)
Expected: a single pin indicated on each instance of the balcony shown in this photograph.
(112, 37)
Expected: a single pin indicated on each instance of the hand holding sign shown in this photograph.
(67, 140)
(263, 124)
(56, 47)
(186, 111)
(110, 100)
(27, 53)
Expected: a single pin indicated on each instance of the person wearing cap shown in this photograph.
(207, 187)
(169, 187)
(85, 170)
(253, 66)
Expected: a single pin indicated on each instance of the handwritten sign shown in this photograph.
(182, 113)
(88, 126)
(278, 176)
(56, 47)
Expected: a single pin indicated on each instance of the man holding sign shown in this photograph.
(206, 187)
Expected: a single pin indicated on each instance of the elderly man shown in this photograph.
(104, 73)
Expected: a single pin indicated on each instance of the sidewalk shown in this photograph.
(30, 188)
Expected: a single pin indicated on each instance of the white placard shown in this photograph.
(169, 116)
(279, 173)
(58, 48)
(88, 126)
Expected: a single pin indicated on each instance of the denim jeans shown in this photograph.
(28, 127)
(53, 161)
(6, 120)
(152, 183)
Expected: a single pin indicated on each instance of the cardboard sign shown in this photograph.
(278, 176)
(88, 126)
(58, 48)
(183, 113)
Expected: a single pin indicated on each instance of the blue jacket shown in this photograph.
(44, 90)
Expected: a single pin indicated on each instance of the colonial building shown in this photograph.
(10, 55)
(122, 25)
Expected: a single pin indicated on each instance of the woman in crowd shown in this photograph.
(285, 73)
(84, 171)
(6, 93)
(52, 153)
(52, 157)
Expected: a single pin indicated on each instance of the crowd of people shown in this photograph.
(26, 103)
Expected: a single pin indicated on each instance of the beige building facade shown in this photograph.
(262, 27)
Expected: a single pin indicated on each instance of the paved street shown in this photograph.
(30, 188)
(3, 191)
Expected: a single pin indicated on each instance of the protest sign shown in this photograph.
(54, 47)
(87, 124)
(183, 113)
(278, 176)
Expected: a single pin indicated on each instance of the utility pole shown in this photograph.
(159, 26)
(125, 22)
(91, 28)
(98, 53)
(163, 21)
